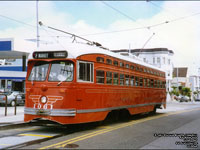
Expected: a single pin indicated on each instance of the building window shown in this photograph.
(85, 71)
(109, 77)
(100, 76)
(115, 79)
(163, 60)
(168, 61)
(154, 60)
(158, 60)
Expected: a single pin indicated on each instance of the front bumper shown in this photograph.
(50, 112)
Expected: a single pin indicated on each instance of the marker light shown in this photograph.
(43, 99)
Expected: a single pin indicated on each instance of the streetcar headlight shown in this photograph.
(43, 99)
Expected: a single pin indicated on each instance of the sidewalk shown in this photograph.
(11, 118)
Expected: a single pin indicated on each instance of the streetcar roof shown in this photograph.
(77, 49)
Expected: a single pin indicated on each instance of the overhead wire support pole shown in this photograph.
(37, 24)
(145, 44)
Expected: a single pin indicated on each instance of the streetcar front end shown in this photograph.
(49, 87)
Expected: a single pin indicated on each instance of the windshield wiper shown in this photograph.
(59, 83)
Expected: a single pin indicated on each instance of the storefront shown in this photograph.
(12, 67)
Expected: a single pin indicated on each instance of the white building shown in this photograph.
(160, 57)
(195, 84)
(181, 77)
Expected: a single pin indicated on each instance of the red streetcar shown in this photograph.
(85, 83)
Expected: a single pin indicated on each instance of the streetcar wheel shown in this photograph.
(154, 111)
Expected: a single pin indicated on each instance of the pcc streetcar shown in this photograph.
(85, 83)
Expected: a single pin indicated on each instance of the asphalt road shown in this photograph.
(166, 130)
(141, 132)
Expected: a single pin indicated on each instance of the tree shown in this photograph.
(186, 91)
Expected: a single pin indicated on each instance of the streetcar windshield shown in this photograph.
(39, 71)
(61, 71)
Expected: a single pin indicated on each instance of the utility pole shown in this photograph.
(38, 38)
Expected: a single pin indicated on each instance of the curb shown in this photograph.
(12, 125)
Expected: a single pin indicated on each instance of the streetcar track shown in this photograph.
(63, 130)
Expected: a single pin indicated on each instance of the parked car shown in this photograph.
(11, 98)
(197, 99)
(184, 99)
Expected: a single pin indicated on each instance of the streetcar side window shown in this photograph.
(132, 80)
(39, 71)
(121, 64)
(152, 83)
(100, 59)
(108, 77)
(164, 84)
(115, 78)
(109, 61)
(121, 79)
(158, 84)
(145, 82)
(85, 71)
(132, 67)
(115, 63)
(136, 81)
(141, 82)
(148, 82)
(127, 80)
(100, 76)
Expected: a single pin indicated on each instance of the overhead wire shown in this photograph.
(21, 22)
(174, 14)
(116, 31)
(120, 12)
(150, 26)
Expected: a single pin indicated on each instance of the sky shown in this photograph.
(114, 24)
